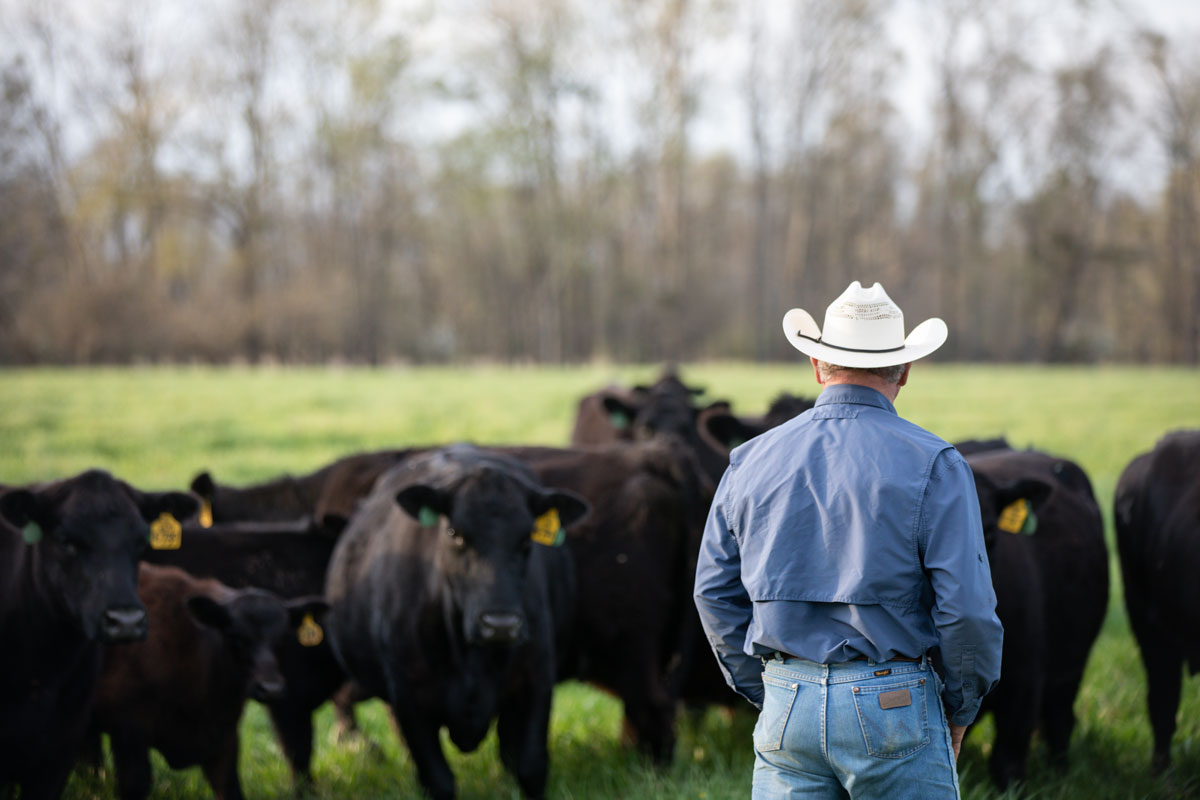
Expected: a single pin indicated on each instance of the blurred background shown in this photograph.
(565, 181)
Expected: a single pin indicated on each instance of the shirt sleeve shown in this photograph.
(964, 610)
(722, 601)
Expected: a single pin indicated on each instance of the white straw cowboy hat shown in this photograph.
(863, 328)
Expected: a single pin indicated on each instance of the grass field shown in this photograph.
(157, 427)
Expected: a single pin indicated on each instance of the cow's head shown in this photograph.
(722, 430)
(484, 523)
(252, 624)
(87, 534)
(995, 497)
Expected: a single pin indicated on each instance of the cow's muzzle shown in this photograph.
(123, 624)
(499, 627)
(265, 690)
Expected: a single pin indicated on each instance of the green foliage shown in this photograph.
(158, 427)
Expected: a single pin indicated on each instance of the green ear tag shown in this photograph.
(1030, 526)
(560, 537)
(427, 517)
(32, 532)
(619, 420)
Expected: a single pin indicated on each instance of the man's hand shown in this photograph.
(956, 736)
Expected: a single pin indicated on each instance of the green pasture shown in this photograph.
(156, 427)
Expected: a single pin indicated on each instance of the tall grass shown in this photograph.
(157, 427)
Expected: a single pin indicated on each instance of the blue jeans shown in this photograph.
(855, 730)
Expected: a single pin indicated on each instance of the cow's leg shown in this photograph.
(650, 712)
(131, 762)
(1164, 679)
(1058, 717)
(522, 729)
(222, 770)
(294, 729)
(344, 700)
(47, 783)
(421, 737)
(1015, 713)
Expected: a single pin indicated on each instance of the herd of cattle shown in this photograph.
(460, 583)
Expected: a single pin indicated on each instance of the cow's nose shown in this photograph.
(271, 689)
(123, 624)
(499, 626)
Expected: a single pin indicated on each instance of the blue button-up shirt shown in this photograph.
(849, 531)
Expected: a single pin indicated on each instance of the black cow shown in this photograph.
(182, 690)
(443, 605)
(1049, 564)
(68, 562)
(1157, 513)
(290, 560)
(637, 632)
(289, 497)
(665, 408)
(722, 430)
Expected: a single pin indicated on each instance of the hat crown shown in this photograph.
(864, 320)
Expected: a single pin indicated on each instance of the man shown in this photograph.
(841, 548)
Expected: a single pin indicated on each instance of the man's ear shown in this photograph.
(904, 375)
(816, 372)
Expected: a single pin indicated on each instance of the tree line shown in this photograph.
(493, 179)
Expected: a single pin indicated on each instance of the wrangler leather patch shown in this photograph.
(879, 673)
(897, 699)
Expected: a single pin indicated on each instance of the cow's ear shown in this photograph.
(620, 413)
(1032, 489)
(331, 524)
(571, 507)
(209, 612)
(419, 500)
(204, 485)
(19, 508)
(723, 431)
(152, 505)
(301, 607)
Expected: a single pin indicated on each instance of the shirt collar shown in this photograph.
(855, 394)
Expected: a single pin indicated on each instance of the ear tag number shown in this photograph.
(1018, 517)
(31, 533)
(166, 533)
(309, 634)
(619, 420)
(427, 517)
(206, 514)
(548, 530)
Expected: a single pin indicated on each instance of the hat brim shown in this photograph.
(920, 342)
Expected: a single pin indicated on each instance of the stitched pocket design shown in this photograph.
(779, 695)
(891, 727)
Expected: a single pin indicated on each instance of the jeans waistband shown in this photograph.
(843, 672)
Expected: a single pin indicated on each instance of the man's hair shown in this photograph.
(888, 374)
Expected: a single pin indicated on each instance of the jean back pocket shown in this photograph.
(893, 718)
(779, 695)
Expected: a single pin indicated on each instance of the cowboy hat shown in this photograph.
(863, 329)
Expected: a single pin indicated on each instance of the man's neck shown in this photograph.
(888, 390)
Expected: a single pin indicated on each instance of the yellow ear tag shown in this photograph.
(206, 514)
(1012, 518)
(166, 533)
(547, 529)
(309, 633)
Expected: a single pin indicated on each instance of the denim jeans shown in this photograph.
(855, 730)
